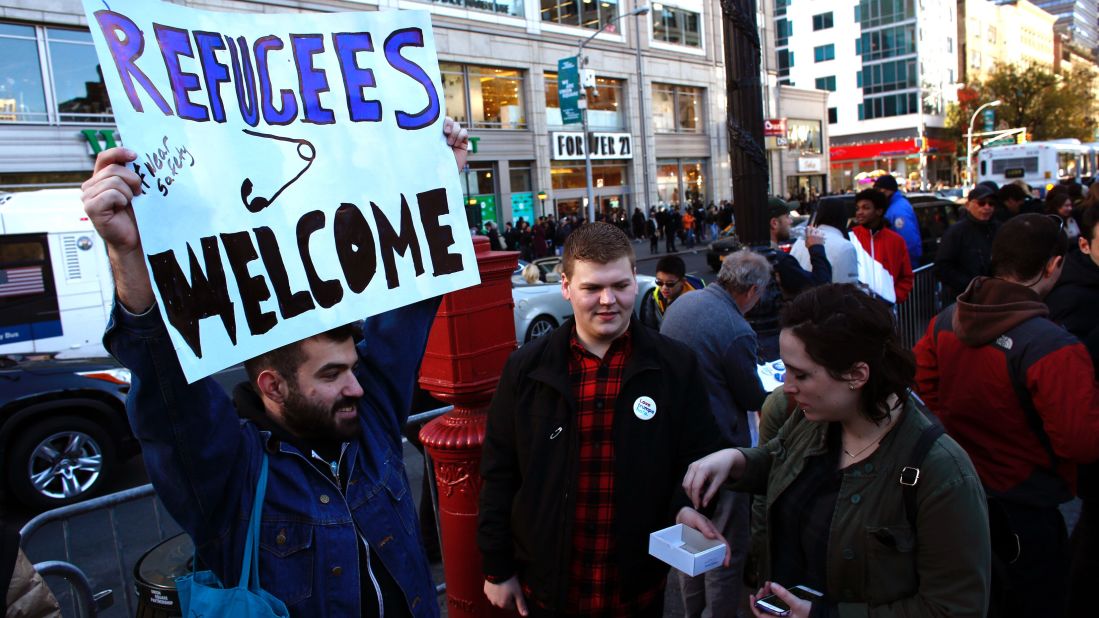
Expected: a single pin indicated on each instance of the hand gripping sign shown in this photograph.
(294, 171)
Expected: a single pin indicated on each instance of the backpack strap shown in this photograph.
(910, 474)
(1033, 419)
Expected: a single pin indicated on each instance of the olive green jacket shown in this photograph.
(878, 565)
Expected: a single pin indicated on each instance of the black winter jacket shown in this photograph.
(965, 252)
(530, 460)
(1074, 303)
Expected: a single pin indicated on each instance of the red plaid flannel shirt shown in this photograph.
(594, 585)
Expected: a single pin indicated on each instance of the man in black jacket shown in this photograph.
(965, 251)
(589, 434)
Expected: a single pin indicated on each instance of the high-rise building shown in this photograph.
(1014, 32)
(1079, 19)
(890, 66)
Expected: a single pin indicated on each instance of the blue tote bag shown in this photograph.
(201, 595)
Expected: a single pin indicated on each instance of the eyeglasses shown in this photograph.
(984, 201)
(667, 284)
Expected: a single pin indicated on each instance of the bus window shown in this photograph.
(28, 297)
(1066, 165)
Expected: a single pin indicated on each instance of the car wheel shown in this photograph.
(539, 327)
(60, 461)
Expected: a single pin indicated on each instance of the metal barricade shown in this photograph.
(96, 570)
(922, 304)
(62, 545)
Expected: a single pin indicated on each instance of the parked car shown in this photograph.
(540, 308)
(63, 428)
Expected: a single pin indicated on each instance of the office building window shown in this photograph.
(605, 104)
(823, 53)
(785, 61)
(592, 14)
(804, 136)
(783, 29)
(76, 92)
(503, 7)
(872, 13)
(889, 105)
(780, 7)
(889, 42)
(827, 83)
(677, 26)
(484, 97)
(822, 21)
(677, 109)
(887, 76)
(832, 115)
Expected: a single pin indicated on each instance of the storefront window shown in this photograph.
(480, 189)
(570, 175)
(504, 7)
(605, 108)
(454, 90)
(804, 136)
(677, 109)
(673, 25)
(78, 84)
(22, 94)
(594, 14)
(77, 89)
(681, 182)
(492, 97)
(522, 194)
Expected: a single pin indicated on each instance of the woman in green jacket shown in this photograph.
(836, 519)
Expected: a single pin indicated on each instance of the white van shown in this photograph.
(56, 288)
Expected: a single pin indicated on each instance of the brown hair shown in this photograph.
(599, 242)
(840, 325)
(288, 358)
(1026, 243)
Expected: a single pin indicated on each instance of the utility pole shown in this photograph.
(744, 123)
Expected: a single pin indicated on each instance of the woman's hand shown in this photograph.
(690, 517)
(798, 608)
(705, 476)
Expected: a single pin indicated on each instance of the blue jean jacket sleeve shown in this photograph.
(389, 359)
(191, 438)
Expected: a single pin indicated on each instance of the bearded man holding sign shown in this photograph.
(345, 208)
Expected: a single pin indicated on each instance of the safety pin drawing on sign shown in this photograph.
(307, 153)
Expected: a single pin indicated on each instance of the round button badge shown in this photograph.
(644, 408)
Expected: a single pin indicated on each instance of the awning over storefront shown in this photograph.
(892, 148)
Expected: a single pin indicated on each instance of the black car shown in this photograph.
(63, 428)
(726, 243)
(934, 214)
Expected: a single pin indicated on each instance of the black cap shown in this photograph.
(886, 182)
(980, 192)
(777, 207)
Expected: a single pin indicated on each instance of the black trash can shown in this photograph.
(155, 577)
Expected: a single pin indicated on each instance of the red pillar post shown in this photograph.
(473, 334)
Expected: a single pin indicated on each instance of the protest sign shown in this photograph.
(294, 169)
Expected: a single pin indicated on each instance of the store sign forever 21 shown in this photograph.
(294, 172)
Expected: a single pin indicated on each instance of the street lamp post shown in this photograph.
(969, 141)
(582, 61)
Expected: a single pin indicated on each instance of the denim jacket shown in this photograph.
(204, 463)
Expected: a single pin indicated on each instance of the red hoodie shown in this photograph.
(965, 366)
(889, 249)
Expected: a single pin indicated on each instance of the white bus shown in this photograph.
(55, 283)
(1039, 164)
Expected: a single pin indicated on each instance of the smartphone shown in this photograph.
(776, 606)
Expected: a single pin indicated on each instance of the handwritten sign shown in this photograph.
(294, 169)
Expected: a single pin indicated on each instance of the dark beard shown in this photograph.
(311, 421)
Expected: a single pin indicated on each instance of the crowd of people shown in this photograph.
(614, 426)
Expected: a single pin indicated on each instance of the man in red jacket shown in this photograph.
(1019, 394)
(882, 243)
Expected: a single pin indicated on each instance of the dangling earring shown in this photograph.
(851, 386)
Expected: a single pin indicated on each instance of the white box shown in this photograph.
(686, 549)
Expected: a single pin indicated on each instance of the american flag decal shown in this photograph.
(21, 281)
